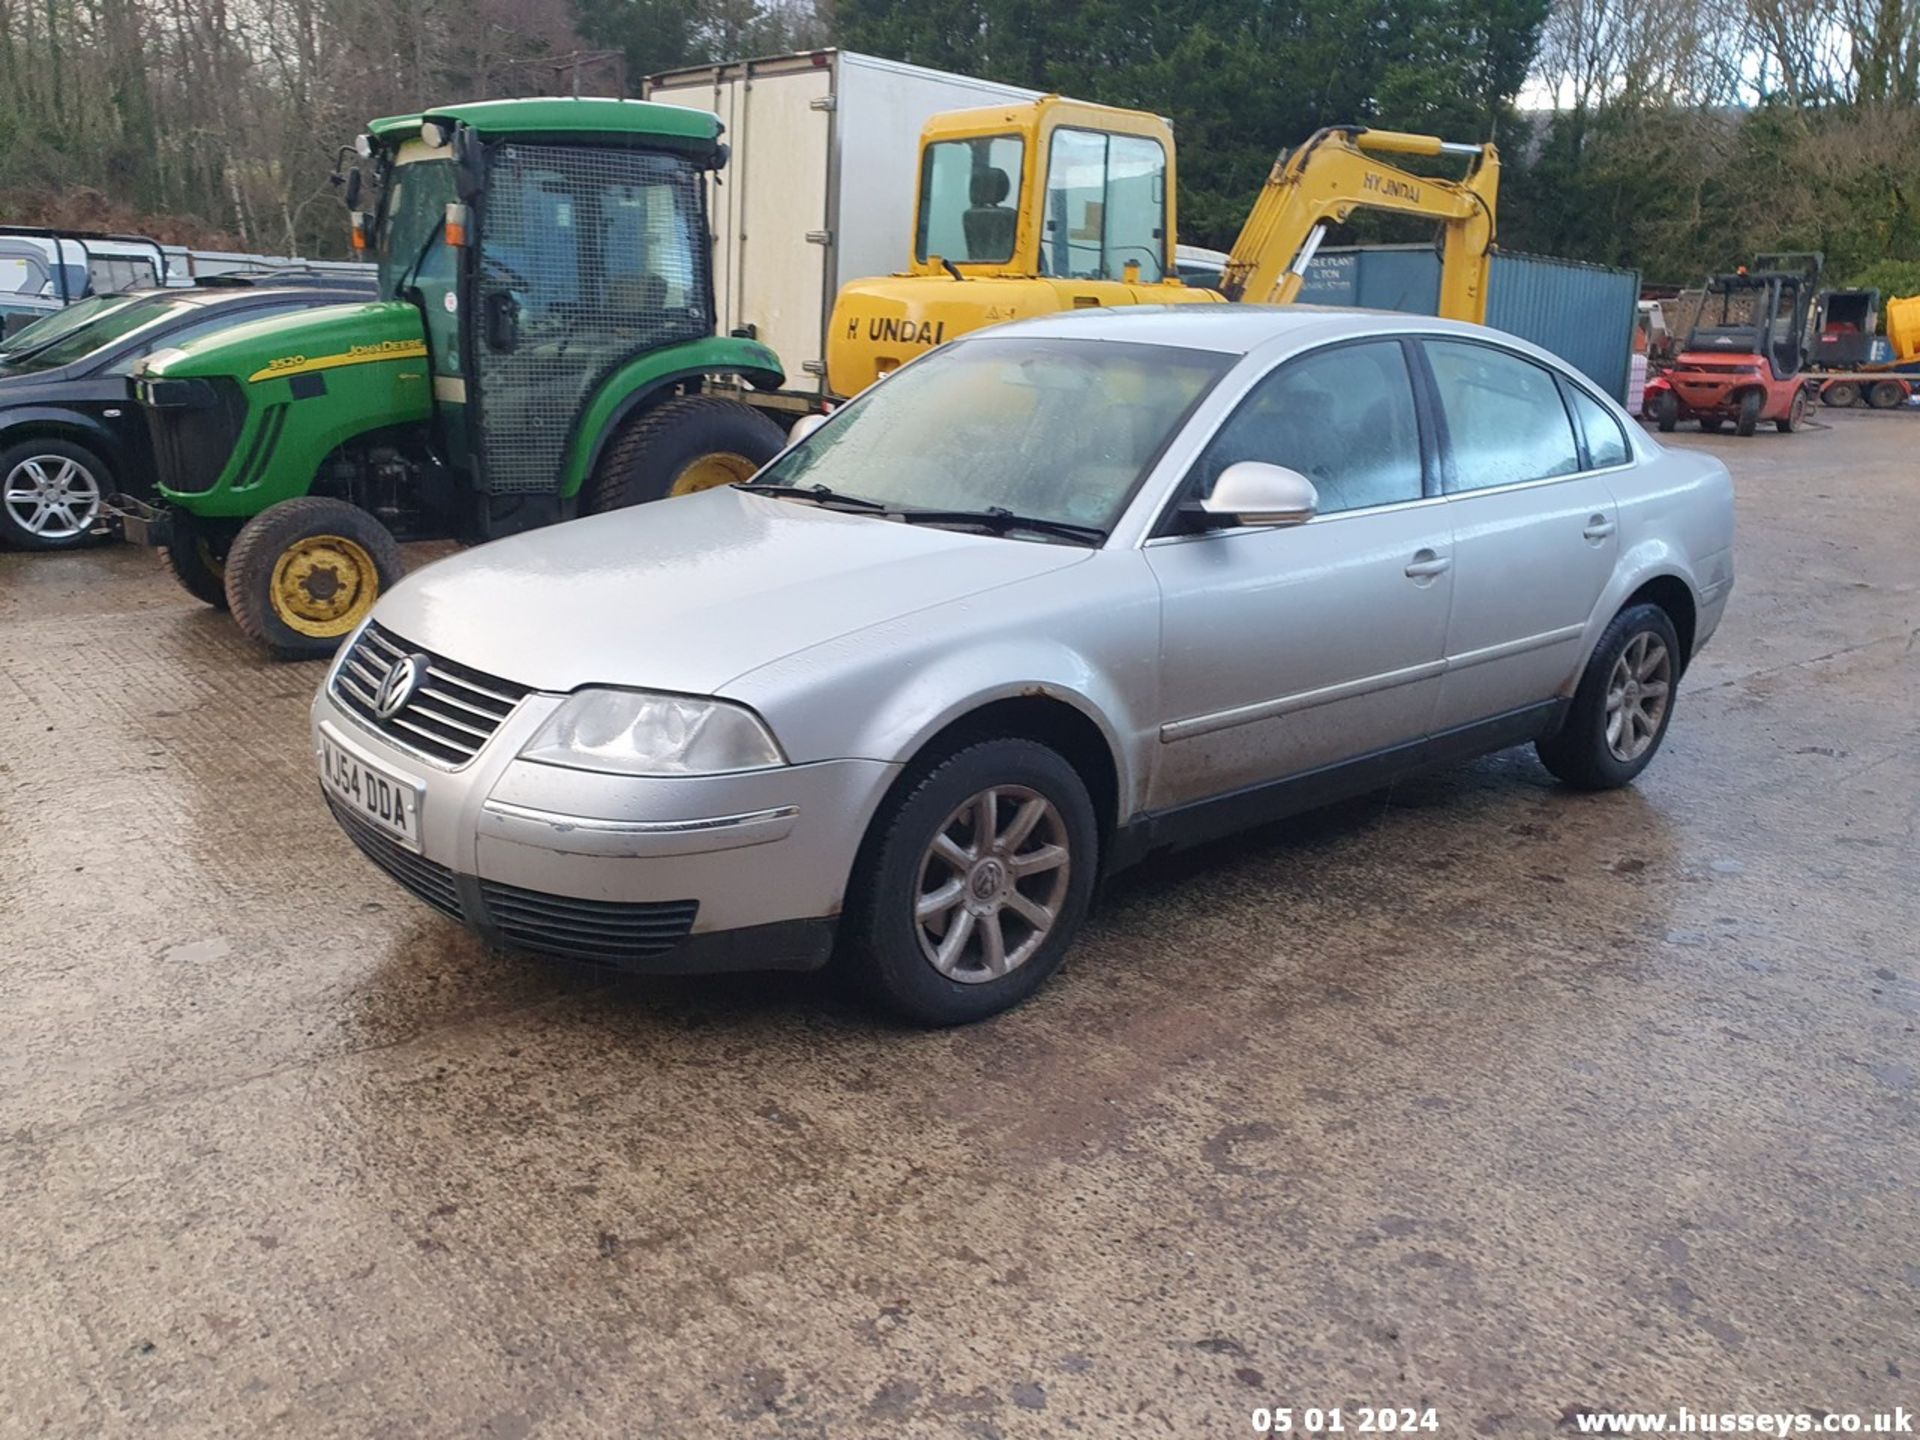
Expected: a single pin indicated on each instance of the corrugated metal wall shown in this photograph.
(1582, 313)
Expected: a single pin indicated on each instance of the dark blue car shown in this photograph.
(69, 433)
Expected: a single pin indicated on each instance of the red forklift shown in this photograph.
(1743, 358)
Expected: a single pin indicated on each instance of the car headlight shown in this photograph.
(634, 732)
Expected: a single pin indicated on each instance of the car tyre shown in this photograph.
(197, 557)
(1002, 913)
(304, 573)
(1623, 705)
(1750, 407)
(53, 494)
(690, 443)
(1666, 411)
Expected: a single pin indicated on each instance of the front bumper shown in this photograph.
(656, 874)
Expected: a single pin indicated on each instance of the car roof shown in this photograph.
(1233, 329)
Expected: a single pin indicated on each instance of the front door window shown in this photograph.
(1106, 206)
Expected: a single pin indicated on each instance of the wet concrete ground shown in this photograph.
(1480, 1094)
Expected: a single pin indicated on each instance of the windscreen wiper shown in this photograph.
(819, 494)
(999, 519)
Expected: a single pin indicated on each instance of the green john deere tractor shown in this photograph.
(543, 347)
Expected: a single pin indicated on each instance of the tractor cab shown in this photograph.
(542, 347)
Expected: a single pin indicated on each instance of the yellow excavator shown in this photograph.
(1055, 204)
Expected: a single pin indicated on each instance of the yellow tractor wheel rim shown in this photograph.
(722, 467)
(324, 585)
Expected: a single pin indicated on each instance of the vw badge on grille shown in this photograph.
(397, 689)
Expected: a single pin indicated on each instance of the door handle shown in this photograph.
(1599, 527)
(1426, 564)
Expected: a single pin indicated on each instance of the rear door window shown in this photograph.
(1505, 419)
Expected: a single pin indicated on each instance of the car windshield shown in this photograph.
(1051, 429)
(76, 344)
(59, 322)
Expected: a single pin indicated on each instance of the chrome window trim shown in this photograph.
(1543, 480)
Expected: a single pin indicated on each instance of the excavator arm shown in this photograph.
(1332, 175)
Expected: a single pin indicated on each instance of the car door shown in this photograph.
(1535, 529)
(1284, 650)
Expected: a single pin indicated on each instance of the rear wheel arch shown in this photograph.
(586, 451)
(1673, 595)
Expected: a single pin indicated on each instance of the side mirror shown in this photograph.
(1252, 492)
(353, 189)
(803, 427)
(502, 322)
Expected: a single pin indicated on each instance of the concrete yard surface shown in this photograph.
(1479, 1094)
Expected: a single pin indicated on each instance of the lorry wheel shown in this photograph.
(51, 494)
(1841, 394)
(198, 557)
(1750, 404)
(302, 574)
(1796, 414)
(1887, 395)
(689, 443)
(1666, 412)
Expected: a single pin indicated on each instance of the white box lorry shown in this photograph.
(819, 189)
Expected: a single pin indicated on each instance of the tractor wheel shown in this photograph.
(1796, 415)
(198, 557)
(1750, 405)
(1666, 412)
(1887, 395)
(302, 574)
(689, 443)
(1841, 394)
(1711, 424)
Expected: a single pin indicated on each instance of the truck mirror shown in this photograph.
(353, 190)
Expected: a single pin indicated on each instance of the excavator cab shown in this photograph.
(1023, 209)
(1055, 204)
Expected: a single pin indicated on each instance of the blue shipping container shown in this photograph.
(1582, 313)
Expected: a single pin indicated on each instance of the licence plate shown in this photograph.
(376, 796)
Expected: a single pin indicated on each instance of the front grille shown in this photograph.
(608, 931)
(451, 715)
(587, 929)
(432, 883)
(193, 443)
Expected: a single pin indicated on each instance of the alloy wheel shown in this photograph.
(52, 496)
(992, 883)
(1637, 695)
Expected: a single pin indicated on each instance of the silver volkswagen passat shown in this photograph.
(1061, 594)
